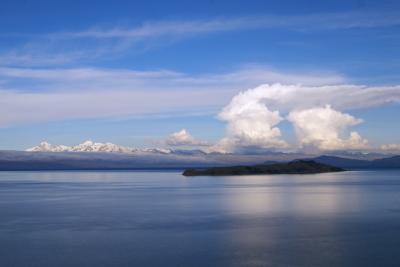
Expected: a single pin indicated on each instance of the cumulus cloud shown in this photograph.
(250, 124)
(391, 147)
(184, 138)
(253, 116)
(324, 127)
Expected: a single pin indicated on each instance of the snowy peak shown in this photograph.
(46, 147)
(87, 146)
(90, 146)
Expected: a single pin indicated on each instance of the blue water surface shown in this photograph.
(161, 218)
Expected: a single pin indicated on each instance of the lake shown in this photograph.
(160, 218)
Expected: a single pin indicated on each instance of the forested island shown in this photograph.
(293, 167)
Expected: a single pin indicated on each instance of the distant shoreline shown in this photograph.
(55, 161)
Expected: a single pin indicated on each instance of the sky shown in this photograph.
(219, 75)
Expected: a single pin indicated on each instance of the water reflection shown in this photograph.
(308, 220)
(294, 194)
(165, 219)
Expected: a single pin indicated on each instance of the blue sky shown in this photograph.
(133, 72)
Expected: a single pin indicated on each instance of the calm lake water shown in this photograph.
(164, 219)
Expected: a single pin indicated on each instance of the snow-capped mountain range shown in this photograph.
(90, 146)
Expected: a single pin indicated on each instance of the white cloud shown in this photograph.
(250, 124)
(285, 97)
(184, 138)
(63, 47)
(253, 115)
(40, 95)
(184, 28)
(324, 127)
(391, 147)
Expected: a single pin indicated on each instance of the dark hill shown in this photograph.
(293, 167)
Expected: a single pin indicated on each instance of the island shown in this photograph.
(293, 167)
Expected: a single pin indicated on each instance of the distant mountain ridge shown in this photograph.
(93, 147)
(389, 162)
(90, 146)
(107, 156)
(143, 159)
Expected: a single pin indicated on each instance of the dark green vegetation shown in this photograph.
(293, 167)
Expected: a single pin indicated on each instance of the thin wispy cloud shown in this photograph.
(63, 47)
(38, 95)
(97, 78)
(183, 28)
